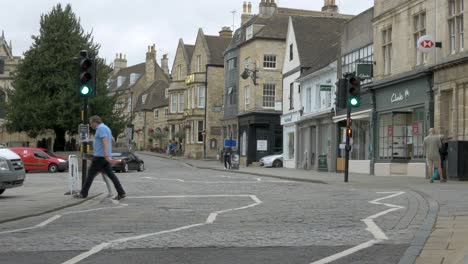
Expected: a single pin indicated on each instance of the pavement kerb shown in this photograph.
(81, 201)
(421, 237)
(239, 171)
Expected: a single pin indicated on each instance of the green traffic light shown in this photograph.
(85, 90)
(354, 101)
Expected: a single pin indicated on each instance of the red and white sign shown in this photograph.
(426, 43)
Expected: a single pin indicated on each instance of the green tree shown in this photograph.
(46, 91)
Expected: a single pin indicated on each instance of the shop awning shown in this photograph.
(355, 116)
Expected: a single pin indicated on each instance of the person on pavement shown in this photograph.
(172, 148)
(102, 159)
(227, 158)
(432, 145)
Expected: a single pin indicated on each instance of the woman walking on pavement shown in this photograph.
(102, 159)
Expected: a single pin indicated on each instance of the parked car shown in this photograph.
(37, 159)
(12, 172)
(275, 161)
(128, 161)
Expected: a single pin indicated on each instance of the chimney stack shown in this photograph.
(330, 7)
(165, 64)
(225, 32)
(150, 67)
(267, 8)
(244, 8)
(119, 62)
(246, 16)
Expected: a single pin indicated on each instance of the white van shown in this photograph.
(12, 172)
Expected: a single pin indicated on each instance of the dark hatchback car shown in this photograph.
(128, 161)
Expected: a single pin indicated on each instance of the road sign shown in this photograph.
(230, 143)
(426, 43)
(84, 133)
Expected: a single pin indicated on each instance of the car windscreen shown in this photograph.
(118, 154)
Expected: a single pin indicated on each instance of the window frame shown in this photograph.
(291, 96)
(419, 30)
(200, 132)
(269, 95)
(270, 61)
(201, 99)
(174, 103)
(387, 50)
(181, 103)
(247, 96)
(291, 52)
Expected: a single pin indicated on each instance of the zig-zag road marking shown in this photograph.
(372, 227)
(57, 216)
(210, 219)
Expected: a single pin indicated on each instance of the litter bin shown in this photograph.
(235, 159)
(323, 163)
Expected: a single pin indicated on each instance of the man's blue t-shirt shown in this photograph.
(102, 131)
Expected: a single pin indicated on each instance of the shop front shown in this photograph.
(404, 114)
(316, 142)
(288, 122)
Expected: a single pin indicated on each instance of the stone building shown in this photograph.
(199, 98)
(131, 83)
(253, 107)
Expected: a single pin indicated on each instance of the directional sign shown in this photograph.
(426, 43)
(84, 133)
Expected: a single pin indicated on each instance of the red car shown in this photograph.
(37, 159)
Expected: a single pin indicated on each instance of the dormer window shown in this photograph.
(120, 81)
(133, 78)
(249, 33)
(143, 98)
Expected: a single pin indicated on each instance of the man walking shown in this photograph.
(432, 145)
(102, 158)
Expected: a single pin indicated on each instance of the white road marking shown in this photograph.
(258, 180)
(372, 227)
(56, 217)
(210, 219)
(347, 252)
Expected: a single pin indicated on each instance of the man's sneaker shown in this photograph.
(120, 196)
(79, 196)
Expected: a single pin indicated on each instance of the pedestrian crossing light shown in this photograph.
(85, 90)
(354, 101)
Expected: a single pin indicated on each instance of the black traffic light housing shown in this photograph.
(86, 75)
(354, 91)
(341, 93)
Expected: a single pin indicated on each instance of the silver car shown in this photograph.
(275, 161)
(12, 172)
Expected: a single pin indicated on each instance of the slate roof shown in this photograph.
(217, 45)
(318, 40)
(125, 72)
(189, 49)
(139, 69)
(155, 97)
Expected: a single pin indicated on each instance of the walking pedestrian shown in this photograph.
(227, 158)
(172, 148)
(102, 159)
(432, 145)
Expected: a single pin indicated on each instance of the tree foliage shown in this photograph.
(45, 94)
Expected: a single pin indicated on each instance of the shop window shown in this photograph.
(401, 135)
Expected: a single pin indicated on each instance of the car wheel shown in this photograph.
(2, 191)
(53, 168)
(141, 167)
(125, 168)
(277, 164)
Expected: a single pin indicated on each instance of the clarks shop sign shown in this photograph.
(400, 96)
(410, 93)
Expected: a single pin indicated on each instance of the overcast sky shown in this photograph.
(123, 26)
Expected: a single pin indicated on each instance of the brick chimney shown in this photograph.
(247, 12)
(330, 7)
(165, 64)
(225, 32)
(150, 69)
(267, 8)
(119, 62)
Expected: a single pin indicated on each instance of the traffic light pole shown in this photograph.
(348, 143)
(84, 146)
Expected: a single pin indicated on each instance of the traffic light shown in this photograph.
(354, 91)
(341, 94)
(349, 132)
(87, 75)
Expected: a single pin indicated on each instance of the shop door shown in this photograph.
(262, 143)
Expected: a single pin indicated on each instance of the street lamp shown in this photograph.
(250, 73)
